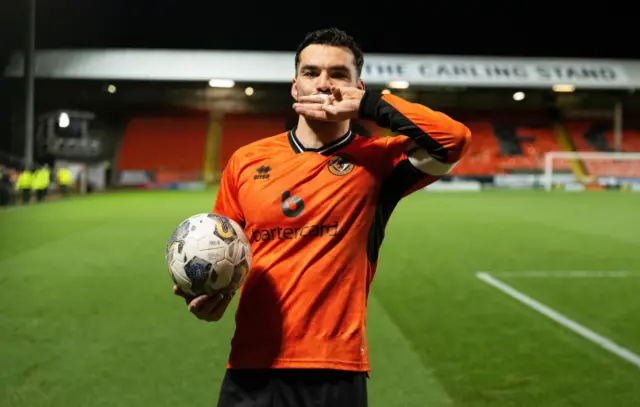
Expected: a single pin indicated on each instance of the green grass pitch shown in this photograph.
(87, 317)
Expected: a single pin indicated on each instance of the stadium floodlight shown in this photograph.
(518, 96)
(398, 84)
(563, 88)
(221, 83)
(616, 169)
(63, 120)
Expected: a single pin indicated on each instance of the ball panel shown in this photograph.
(213, 255)
(179, 233)
(224, 270)
(179, 277)
(231, 252)
(208, 253)
(243, 241)
(240, 272)
(223, 228)
(198, 271)
(211, 243)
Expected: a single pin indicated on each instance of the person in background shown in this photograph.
(25, 184)
(41, 181)
(64, 179)
(13, 179)
(5, 186)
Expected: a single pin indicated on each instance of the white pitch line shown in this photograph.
(568, 274)
(583, 331)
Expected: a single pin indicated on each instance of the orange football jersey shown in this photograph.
(316, 221)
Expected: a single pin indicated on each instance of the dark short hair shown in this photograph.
(336, 38)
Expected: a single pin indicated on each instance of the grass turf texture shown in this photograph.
(87, 317)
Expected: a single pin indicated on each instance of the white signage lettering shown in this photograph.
(277, 67)
(495, 73)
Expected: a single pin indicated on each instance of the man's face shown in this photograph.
(323, 66)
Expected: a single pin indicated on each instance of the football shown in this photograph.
(207, 254)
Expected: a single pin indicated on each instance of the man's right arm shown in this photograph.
(204, 307)
(212, 308)
(227, 203)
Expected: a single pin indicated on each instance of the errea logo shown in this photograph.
(262, 172)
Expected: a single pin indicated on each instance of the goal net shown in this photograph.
(597, 170)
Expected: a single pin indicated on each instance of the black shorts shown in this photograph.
(293, 388)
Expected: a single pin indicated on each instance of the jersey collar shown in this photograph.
(330, 148)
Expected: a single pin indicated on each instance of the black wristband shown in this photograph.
(369, 105)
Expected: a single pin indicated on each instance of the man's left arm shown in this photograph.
(438, 141)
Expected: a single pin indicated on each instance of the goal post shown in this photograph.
(591, 168)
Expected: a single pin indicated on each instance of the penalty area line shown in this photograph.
(581, 330)
(568, 274)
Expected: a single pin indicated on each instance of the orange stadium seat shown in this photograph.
(590, 136)
(543, 140)
(579, 134)
(577, 131)
(485, 156)
(484, 153)
(170, 146)
(173, 147)
(630, 140)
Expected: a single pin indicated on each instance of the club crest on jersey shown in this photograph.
(340, 165)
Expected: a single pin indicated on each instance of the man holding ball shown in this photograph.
(316, 220)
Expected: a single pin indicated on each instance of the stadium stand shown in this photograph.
(150, 143)
(483, 156)
(500, 145)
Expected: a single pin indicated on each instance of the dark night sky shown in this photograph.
(392, 26)
(528, 28)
